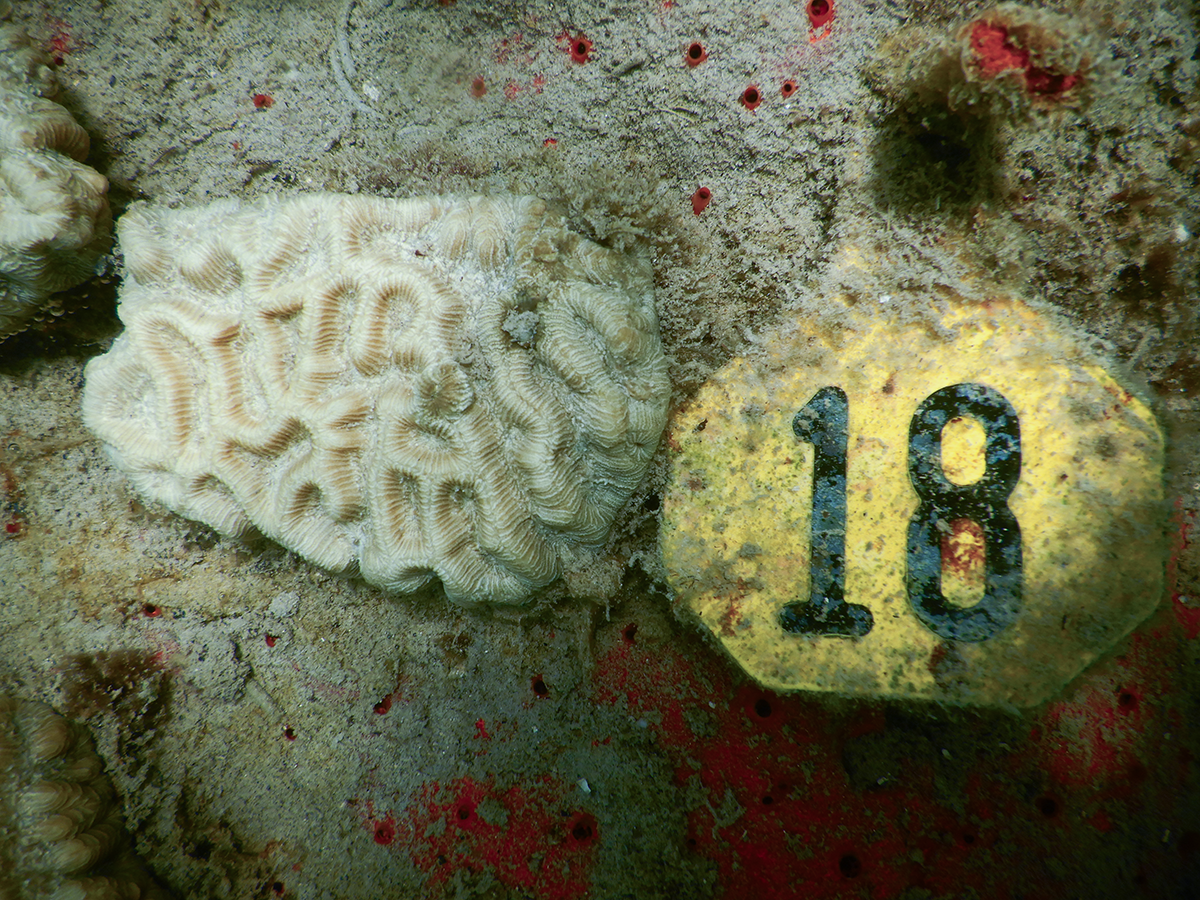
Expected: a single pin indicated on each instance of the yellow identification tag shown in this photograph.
(970, 513)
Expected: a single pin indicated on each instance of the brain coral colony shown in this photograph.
(54, 216)
(62, 833)
(449, 387)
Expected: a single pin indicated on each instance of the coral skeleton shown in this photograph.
(62, 835)
(54, 216)
(452, 387)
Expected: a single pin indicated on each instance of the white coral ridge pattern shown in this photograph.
(54, 215)
(61, 833)
(452, 387)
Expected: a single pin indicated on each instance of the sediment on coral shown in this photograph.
(459, 388)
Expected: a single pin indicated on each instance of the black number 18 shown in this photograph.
(824, 422)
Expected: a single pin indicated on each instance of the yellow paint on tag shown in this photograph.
(962, 449)
(738, 513)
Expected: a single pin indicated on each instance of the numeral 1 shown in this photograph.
(824, 423)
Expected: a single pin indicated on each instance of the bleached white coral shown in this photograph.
(54, 216)
(459, 387)
(61, 833)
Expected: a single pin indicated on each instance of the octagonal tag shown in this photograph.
(970, 513)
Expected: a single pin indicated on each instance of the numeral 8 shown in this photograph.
(984, 502)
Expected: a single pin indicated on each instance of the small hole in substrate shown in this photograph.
(701, 426)
(762, 708)
(787, 88)
(385, 833)
(277, 888)
(751, 97)
(629, 632)
(1127, 701)
(768, 800)
(289, 733)
(1047, 806)
(538, 683)
(969, 837)
(465, 812)
(581, 49)
(478, 87)
(583, 829)
(696, 54)
(152, 611)
(929, 159)
(652, 503)
(200, 850)
(820, 12)
(850, 866)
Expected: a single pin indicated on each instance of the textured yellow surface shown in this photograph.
(1089, 504)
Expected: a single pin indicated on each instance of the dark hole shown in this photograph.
(850, 866)
(277, 887)
(968, 837)
(944, 149)
(581, 49)
(1126, 700)
(762, 707)
(539, 686)
(751, 96)
(695, 51)
(201, 850)
(1047, 806)
(652, 503)
(629, 632)
(819, 7)
(464, 813)
(582, 831)
(768, 800)
(703, 194)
